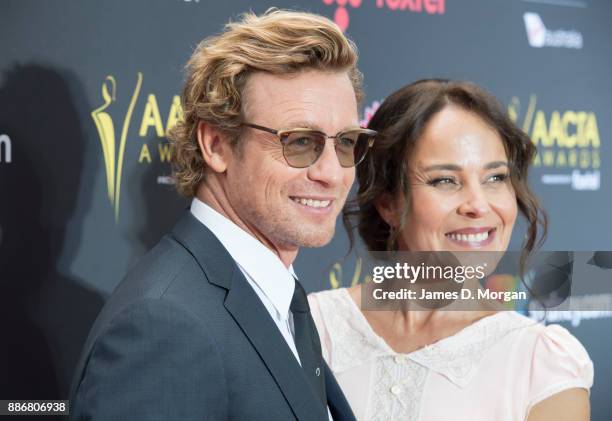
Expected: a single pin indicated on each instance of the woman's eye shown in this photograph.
(443, 181)
(498, 178)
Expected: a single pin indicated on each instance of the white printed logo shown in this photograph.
(5, 148)
(577, 180)
(538, 36)
(586, 181)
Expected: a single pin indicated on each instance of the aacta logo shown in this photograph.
(113, 146)
(336, 277)
(341, 15)
(5, 149)
(538, 36)
(566, 140)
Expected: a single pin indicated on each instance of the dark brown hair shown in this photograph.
(400, 122)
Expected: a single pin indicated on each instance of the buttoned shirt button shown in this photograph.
(396, 390)
(399, 359)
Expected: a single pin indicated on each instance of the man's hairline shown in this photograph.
(291, 75)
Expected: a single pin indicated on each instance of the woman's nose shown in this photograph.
(475, 203)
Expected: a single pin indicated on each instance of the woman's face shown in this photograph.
(461, 194)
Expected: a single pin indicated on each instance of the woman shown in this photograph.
(448, 172)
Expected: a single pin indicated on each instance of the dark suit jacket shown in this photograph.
(185, 337)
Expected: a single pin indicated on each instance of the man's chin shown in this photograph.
(318, 239)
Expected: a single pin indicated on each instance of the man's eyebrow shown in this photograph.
(304, 124)
(455, 167)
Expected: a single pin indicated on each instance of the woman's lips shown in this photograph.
(472, 237)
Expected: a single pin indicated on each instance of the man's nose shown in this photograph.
(327, 168)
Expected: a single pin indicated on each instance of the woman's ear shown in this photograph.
(387, 208)
(214, 147)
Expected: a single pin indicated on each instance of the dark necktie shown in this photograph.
(307, 342)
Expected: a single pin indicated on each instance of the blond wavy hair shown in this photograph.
(277, 42)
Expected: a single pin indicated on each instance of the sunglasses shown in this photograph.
(302, 147)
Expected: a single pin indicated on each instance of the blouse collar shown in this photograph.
(457, 357)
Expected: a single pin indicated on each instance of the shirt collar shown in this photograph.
(456, 357)
(263, 266)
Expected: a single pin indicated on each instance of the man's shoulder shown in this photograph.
(157, 305)
(168, 272)
(168, 276)
(152, 275)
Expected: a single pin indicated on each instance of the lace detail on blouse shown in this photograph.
(398, 389)
(527, 360)
(349, 345)
(399, 379)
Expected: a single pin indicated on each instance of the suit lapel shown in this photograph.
(250, 314)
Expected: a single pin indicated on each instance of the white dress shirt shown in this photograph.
(272, 281)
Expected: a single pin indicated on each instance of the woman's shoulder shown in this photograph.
(550, 341)
(333, 302)
(344, 337)
(556, 359)
(548, 338)
(328, 294)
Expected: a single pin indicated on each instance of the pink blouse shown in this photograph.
(495, 369)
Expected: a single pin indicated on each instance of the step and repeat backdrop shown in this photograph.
(89, 90)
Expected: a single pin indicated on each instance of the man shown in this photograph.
(211, 324)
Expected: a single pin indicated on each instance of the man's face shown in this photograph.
(287, 207)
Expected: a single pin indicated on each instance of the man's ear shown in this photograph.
(215, 149)
(388, 209)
